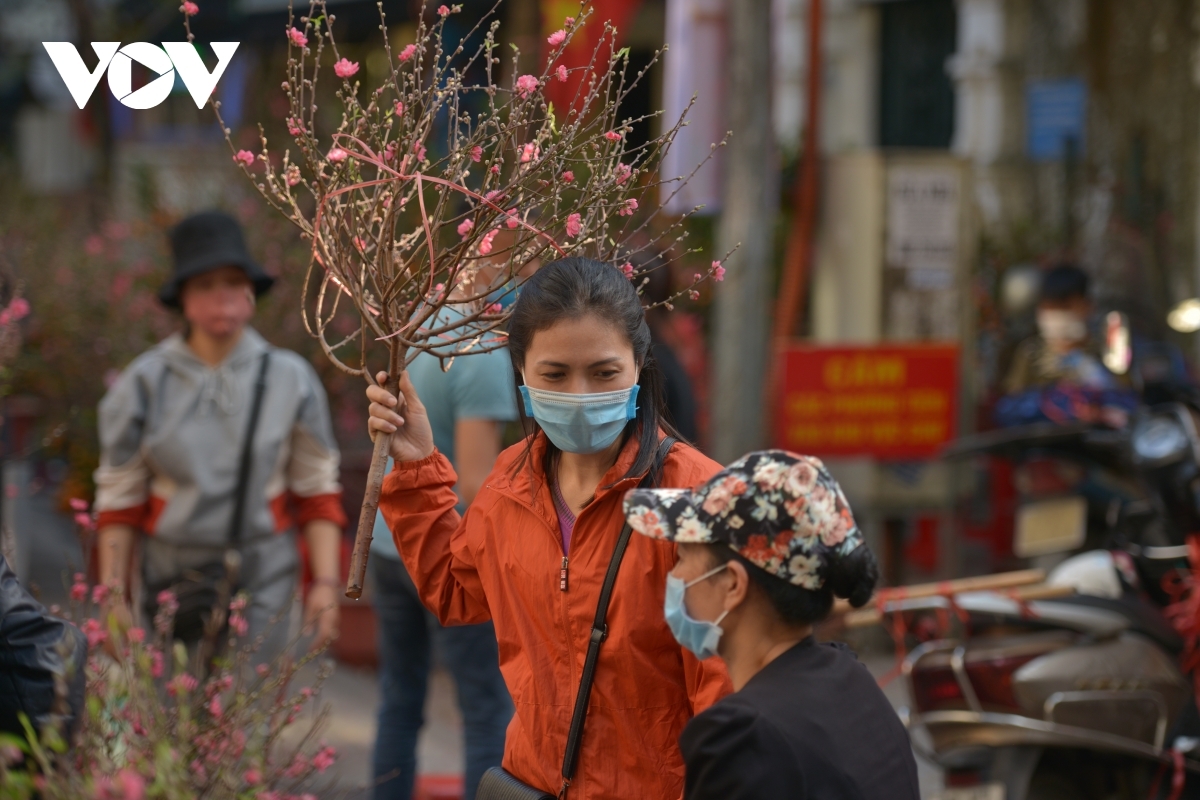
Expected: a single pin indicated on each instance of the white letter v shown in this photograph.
(74, 72)
(196, 77)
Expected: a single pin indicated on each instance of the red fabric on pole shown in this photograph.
(578, 52)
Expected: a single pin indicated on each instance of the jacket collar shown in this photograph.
(530, 484)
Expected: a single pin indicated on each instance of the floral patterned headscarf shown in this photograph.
(781, 511)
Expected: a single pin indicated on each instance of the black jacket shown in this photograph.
(35, 649)
(812, 725)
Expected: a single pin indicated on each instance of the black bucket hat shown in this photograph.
(207, 241)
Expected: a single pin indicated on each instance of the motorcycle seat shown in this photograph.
(1143, 618)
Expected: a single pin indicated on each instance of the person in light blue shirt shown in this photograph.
(468, 405)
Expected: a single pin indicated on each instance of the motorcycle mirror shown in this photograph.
(1019, 288)
(1185, 317)
(1117, 353)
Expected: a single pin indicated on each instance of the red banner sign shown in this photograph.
(896, 402)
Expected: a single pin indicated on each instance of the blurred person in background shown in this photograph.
(469, 403)
(1063, 351)
(42, 662)
(764, 546)
(173, 430)
(679, 395)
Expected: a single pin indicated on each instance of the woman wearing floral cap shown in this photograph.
(764, 546)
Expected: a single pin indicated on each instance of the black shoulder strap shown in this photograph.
(600, 628)
(239, 497)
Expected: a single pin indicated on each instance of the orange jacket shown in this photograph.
(502, 562)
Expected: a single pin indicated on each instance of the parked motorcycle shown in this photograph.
(1075, 697)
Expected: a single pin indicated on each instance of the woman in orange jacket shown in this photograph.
(532, 550)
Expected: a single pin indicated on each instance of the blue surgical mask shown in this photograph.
(581, 423)
(697, 635)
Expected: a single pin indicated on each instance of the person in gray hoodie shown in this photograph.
(172, 431)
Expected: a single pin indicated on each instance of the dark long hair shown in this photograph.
(569, 289)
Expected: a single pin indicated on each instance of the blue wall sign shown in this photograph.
(1057, 111)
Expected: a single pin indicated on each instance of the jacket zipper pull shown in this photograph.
(562, 576)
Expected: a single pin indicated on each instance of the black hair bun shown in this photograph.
(853, 577)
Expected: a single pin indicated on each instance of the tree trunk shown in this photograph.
(750, 203)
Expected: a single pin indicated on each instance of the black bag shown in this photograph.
(497, 784)
(204, 589)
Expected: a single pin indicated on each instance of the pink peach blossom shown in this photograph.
(407, 52)
(345, 68)
(94, 632)
(443, 11)
(298, 38)
(513, 220)
(295, 127)
(627, 268)
(530, 152)
(476, 154)
(526, 85)
(419, 149)
(78, 504)
(189, 8)
(244, 157)
(324, 759)
(494, 169)
(718, 271)
(569, 21)
(561, 73)
(465, 227)
(556, 38)
(79, 589)
(627, 209)
(399, 108)
(622, 173)
(568, 176)
(132, 785)
(336, 155)
(574, 225)
(613, 136)
(485, 246)
(18, 308)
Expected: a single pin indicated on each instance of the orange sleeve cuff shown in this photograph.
(134, 516)
(320, 506)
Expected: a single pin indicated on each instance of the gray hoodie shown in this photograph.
(171, 432)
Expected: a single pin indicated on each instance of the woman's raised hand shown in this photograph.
(404, 418)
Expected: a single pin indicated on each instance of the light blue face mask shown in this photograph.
(581, 423)
(694, 634)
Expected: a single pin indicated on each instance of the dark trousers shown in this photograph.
(407, 634)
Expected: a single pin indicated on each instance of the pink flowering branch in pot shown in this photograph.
(437, 189)
(161, 721)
